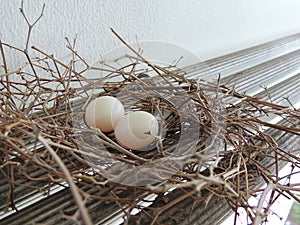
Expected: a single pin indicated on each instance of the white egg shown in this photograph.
(136, 130)
(104, 113)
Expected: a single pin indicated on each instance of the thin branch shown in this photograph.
(80, 203)
(30, 25)
(3, 58)
(260, 214)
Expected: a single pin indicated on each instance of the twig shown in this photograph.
(3, 58)
(80, 203)
(30, 25)
(259, 212)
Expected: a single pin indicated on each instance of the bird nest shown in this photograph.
(214, 143)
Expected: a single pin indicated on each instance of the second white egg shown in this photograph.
(136, 130)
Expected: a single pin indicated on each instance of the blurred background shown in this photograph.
(209, 28)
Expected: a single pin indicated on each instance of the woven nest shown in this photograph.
(213, 142)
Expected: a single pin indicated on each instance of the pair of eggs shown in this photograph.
(135, 130)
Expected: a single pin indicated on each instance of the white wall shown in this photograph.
(207, 27)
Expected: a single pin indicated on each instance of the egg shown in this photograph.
(136, 130)
(104, 113)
